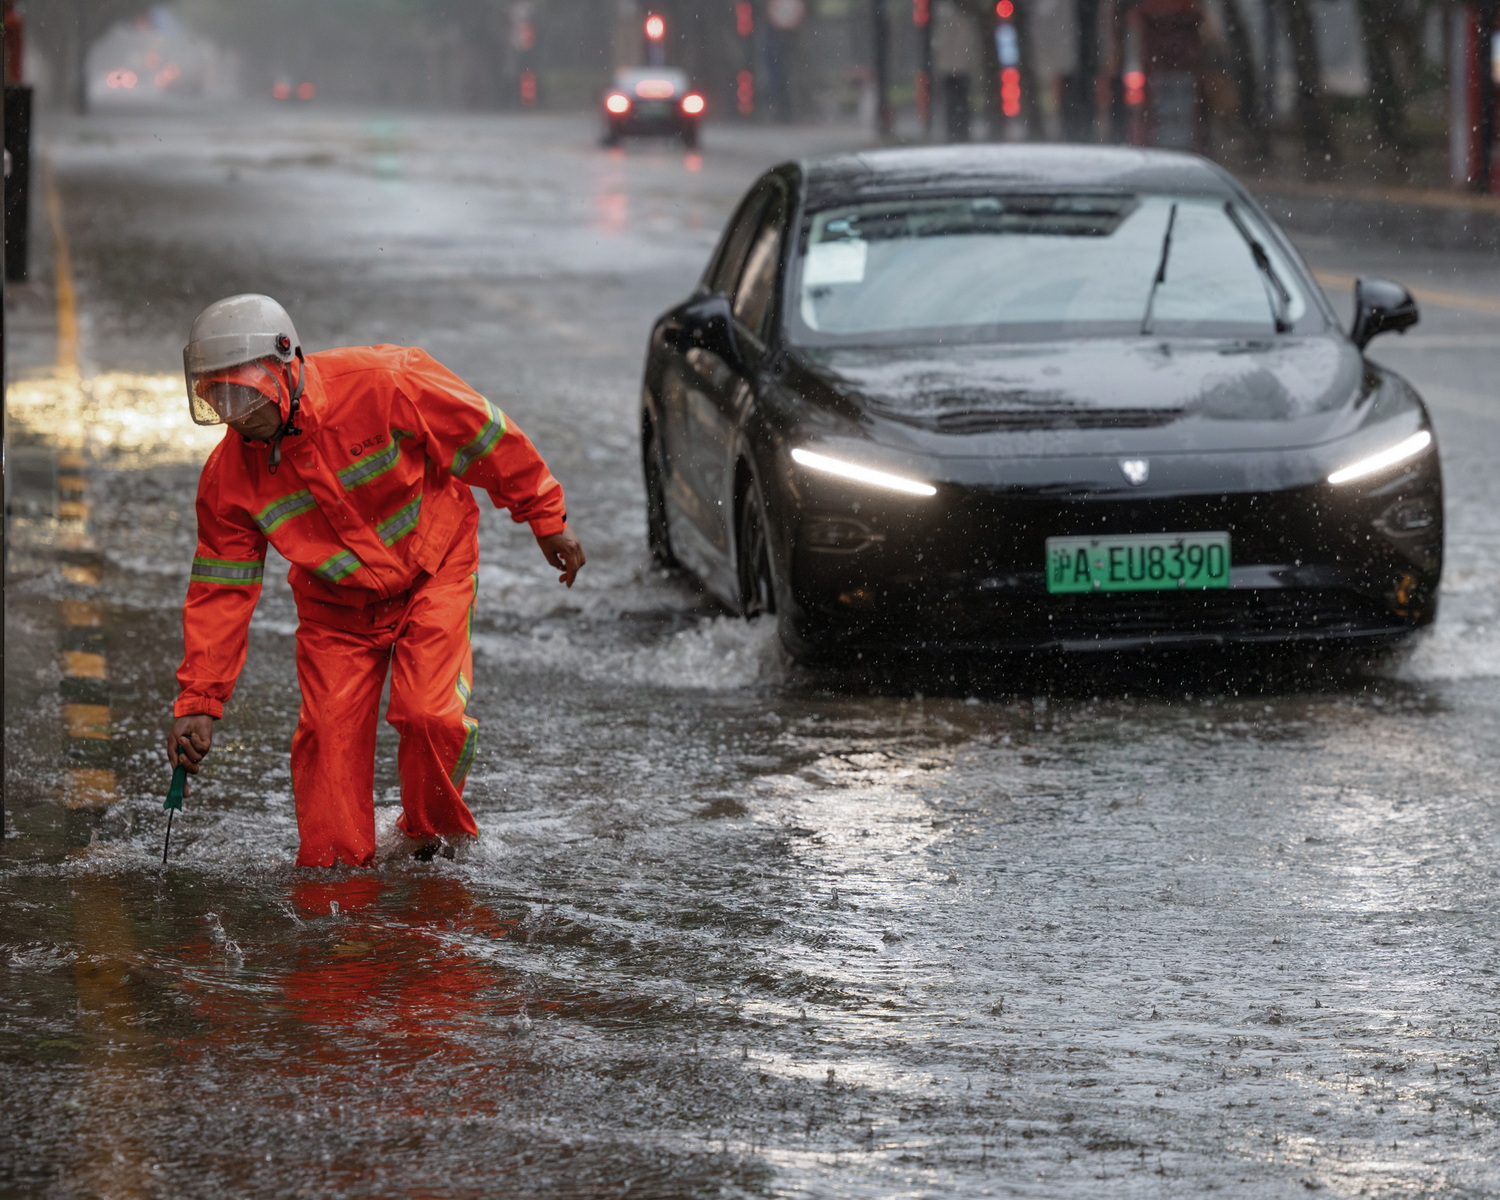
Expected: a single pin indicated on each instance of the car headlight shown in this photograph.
(849, 470)
(1399, 453)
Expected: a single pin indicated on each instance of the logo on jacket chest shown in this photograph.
(376, 439)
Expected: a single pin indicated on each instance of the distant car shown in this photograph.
(1016, 397)
(652, 102)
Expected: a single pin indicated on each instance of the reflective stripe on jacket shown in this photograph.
(372, 493)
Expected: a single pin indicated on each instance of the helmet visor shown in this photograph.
(231, 393)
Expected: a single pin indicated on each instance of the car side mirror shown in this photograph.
(1381, 306)
(708, 324)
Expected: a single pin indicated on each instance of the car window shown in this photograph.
(661, 82)
(752, 297)
(725, 271)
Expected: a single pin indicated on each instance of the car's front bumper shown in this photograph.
(963, 572)
(670, 122)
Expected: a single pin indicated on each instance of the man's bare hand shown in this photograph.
(565, 553)
(189, 741)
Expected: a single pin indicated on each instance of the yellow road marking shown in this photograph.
(71, 483)
(62, 272)
(87, 576)
(75, 540)
(70, 460)
(1463, 301)
(90, 787)
(82, 613)
(87, 721)
(80, 664)
(73, 510)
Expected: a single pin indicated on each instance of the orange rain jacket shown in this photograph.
(369, 497)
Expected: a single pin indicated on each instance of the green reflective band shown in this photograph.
(466, 755)
(228, 571)
(279, 512)
(370, 468)
(463, 691)
(493, 431)
(340, 566)
(396, 527)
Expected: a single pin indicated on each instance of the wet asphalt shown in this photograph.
(1165, 928)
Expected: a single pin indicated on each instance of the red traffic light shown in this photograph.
(656, 27)
(1005, 10)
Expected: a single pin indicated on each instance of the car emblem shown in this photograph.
(1137, 470)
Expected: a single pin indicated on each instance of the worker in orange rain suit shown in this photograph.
(356, 465)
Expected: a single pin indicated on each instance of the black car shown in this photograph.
(652, 102)
(1020, 397)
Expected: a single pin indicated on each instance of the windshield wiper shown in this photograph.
(1161, 271)
(1276, 293)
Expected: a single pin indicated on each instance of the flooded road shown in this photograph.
(732, 929)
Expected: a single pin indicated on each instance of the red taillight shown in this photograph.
(1135, 88)
(306, 91)
(617, 103)
(693, 104)
(282, 91)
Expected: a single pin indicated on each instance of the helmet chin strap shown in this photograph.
(288, 426)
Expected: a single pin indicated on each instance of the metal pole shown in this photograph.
(882, 70)
(1485, 66)
(4, 498)
(922, 17)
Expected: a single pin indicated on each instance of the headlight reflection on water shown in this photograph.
(122, 419)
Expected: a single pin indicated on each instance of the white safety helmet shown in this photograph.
(231, 356)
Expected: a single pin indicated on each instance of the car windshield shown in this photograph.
(1014, 267)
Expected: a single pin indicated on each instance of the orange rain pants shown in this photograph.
(343, 655)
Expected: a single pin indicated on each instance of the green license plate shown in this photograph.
(1138, 562)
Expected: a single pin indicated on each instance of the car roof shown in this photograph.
(630, 76)
(911, 171)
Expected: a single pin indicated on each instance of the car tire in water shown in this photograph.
(753, 557)
(658, 535)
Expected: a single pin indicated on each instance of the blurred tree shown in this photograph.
(1253, 118)
(1318, 150)
(1380, 20)
(63, 30)
(1080, 97)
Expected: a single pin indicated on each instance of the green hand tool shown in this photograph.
(175, 795)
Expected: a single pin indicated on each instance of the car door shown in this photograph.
(723, 388)
(688, 402)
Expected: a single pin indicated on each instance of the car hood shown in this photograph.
(1100, 395)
